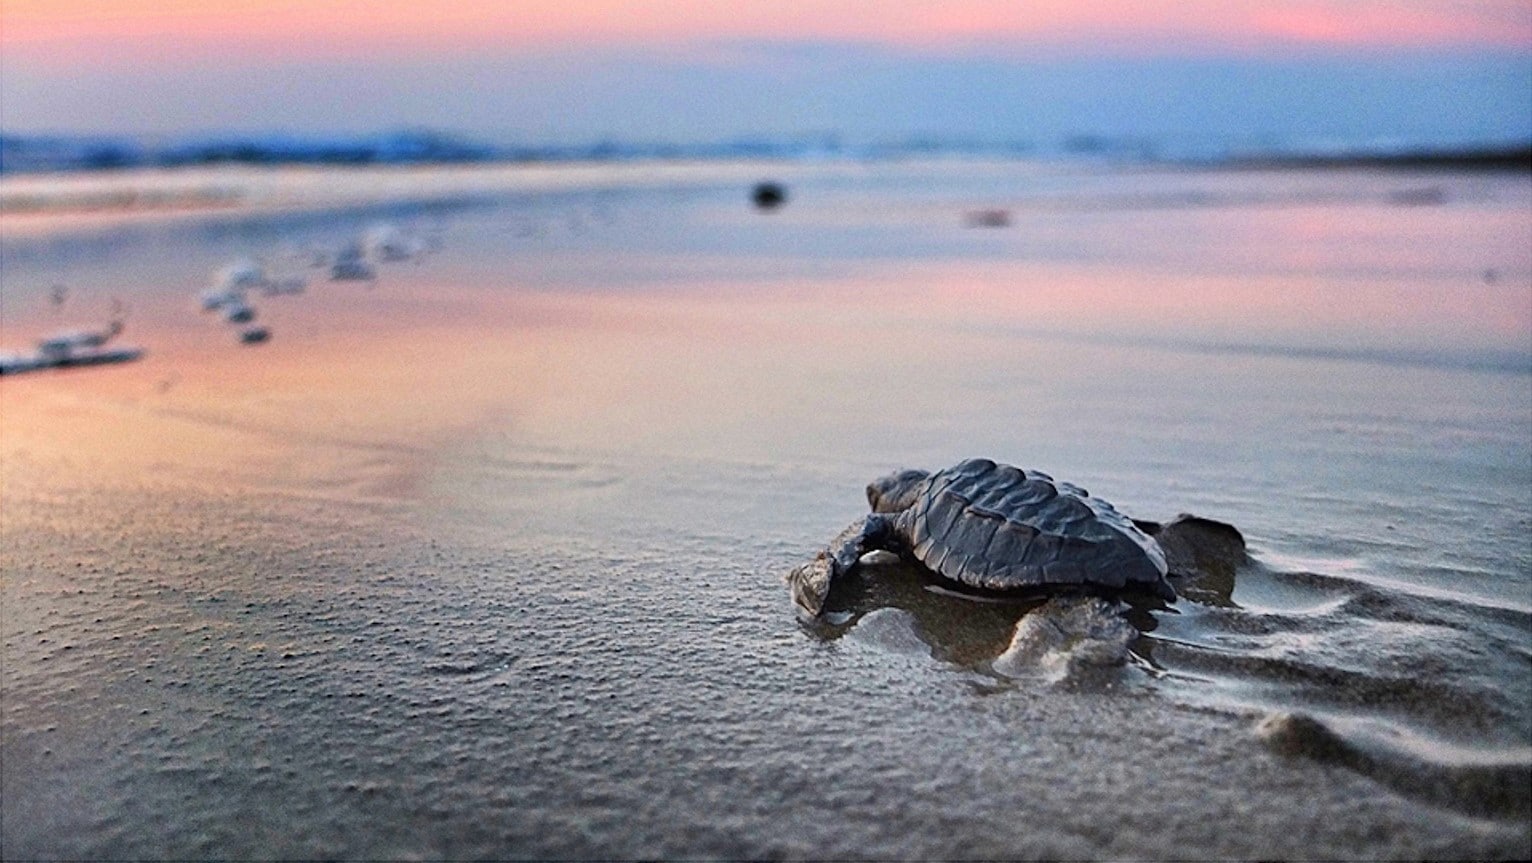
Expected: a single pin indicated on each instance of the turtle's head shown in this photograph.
(895, 492)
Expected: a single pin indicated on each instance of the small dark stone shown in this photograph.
(768, 195)
(992, 218)
(239, 314)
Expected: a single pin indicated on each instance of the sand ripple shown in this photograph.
(1405, 687)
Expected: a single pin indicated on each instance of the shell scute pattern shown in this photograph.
(1071, 488)
(1011, 541)
(943, 510)
(1001, 527)
(954, 564)
(939, 555)
(1063, 572)
(919, 532)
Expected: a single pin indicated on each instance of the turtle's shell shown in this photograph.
(999, 527)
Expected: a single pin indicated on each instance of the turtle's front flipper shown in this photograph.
(810, 583)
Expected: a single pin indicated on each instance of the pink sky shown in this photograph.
(66, 31)
(562, 70)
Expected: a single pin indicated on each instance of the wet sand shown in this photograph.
(484, 559)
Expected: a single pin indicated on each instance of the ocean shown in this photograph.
(483, 557)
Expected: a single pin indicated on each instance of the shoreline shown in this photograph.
(31, 201)
(49, 201)
(1489, 159)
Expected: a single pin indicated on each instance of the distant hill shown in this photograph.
(69, 153)
(43, 153)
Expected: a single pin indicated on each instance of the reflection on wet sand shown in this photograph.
(975, 630)
(963, 630)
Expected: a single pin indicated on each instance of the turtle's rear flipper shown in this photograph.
(810, 582)
(1200, 547)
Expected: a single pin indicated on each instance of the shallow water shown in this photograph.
(484, 560)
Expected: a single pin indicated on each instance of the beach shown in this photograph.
(483, 558)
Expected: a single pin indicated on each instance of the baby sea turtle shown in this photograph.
(998, 528)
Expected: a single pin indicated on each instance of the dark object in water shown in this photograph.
(768, 195)
(351, 271)
(1426, 196)
(74, 348)
(238, 312)
(288, 286)
(991, 218)
(387, 243)
(69, 342)
(99, 357)
(11, 365)
(254, 335)
(1000, 529)
(351, 265)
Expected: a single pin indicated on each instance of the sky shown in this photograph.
(566, 71)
